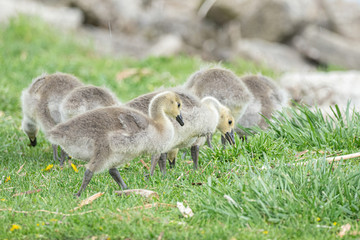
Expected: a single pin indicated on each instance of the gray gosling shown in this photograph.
(112, 136)
(225, 86)
(86, 98)
(205, 116)
(41, 104)
(268, 98)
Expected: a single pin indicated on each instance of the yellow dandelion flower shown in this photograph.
(53, 220)
(43, 223)
(101, 228)
(7, 179)
(318, 219)
(15, 227)
(265, 232)
(334, 223)
(74, 167)
(3, 199)
(37, 224)
(50, 166)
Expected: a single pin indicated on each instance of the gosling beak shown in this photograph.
(171, 163)
(230, 138)
(33, 142)
(180, 119)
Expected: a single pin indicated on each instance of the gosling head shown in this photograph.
(174, 107)
(31, 131)
(171, 105)
(226, 124)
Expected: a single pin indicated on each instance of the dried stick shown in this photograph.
(88, 200)
(141, 192)
(27, 192)
(45, 211)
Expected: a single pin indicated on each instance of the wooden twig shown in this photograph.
(301, 153)
(206, 166)
(27, 192)
(160, 236)
(333, 159)
(20, 168)
(45, 211)
(88, 200)
(141, 192)
(343, 157)
(147, 206)
(144, 164)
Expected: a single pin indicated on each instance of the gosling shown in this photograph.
(268, 98)
(225, 86)
(86, 98)
(41, 104)
(205, 116)
(112, 136)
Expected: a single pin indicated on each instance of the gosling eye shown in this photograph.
(179, 105)
(230, 122)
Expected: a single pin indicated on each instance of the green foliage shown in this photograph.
(274, 197)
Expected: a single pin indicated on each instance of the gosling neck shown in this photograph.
(157, 113)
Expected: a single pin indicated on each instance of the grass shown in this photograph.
(272, 198)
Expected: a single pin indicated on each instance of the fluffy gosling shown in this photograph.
(41, 104)
(268, 98)
(112, 136)
(205, 116)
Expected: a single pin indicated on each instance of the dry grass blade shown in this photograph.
(148, 206)
(141, 192)
(27, 192)
(18, 171)
(161, 236)
(301, 153)
(45, 211)
(126, 74)
(88, 200)
(144, 164)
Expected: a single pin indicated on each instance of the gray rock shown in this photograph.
(273, 55)
(345, 15)
(61, 17)
(272, 20)
(328, 48)
(323, 88)
(168, 45)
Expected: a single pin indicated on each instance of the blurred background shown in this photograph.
(314, 45)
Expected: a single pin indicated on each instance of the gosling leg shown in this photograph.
(162, 163)
(87, 177)
(63, 156)
(195, 155)
(118, 179)
(208, 140)
(154, 161)
(55, 152)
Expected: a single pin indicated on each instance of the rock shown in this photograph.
(62, 17)
(272, 20)
(277, 56)
(328, 48)
(323, 88)
(115, 14)
(168, 45)
(345, 15)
